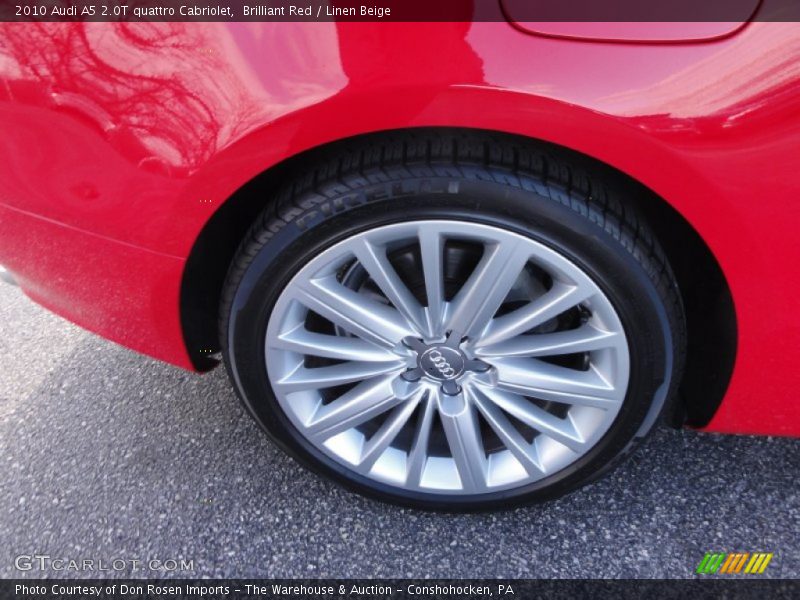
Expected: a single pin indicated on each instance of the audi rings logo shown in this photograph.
(442, 363)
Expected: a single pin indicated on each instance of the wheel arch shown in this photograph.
(711, 317)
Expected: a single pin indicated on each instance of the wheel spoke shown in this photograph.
(527, 454)
(483, 293)
(303, 378)
(373, 258)
(464, 439)
(561, 430)
(354, 312)
(431, 244)
(388, 431)
(585, 338)
(365, 401)
(547, 381)
(303, 341)
(418, 455)
(559, 299)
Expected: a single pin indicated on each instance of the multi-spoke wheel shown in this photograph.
(467, 344)
(389, 362)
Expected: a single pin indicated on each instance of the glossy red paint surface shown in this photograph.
(120, 141)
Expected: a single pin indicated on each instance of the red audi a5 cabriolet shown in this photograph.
(450, 265)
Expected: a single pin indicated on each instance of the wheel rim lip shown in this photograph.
(556, 457)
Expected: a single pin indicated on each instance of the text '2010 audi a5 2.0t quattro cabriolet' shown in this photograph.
(454, 265)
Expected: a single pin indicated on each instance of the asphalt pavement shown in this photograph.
(108, 456)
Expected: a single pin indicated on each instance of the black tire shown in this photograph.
(536, 190)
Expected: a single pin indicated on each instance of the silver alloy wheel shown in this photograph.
(467, 382)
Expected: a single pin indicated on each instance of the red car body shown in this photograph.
(119, 143)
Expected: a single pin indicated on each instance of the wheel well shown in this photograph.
(710, 314)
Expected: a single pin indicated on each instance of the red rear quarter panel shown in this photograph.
(119, 141)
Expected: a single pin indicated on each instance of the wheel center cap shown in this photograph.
(442, 363)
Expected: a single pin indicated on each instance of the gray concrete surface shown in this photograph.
(108, 455)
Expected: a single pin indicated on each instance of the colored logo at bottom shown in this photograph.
(715, 563)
